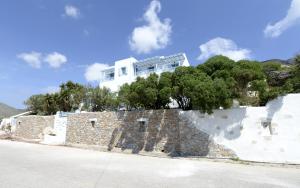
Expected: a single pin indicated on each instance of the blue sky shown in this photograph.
(44, 43)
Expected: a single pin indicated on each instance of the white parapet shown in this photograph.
(267, 134)
(59, 130)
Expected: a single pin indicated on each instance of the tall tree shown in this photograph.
(100, 99)
(35, 103)
(50, 103)
(295, 81)
(182, 79)
(70, 96)
(245, 72)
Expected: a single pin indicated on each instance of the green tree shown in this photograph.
(124, 96)
(218, 67)
(35, 103)
(154, 92)
(183, 82)
(245, 72)
(70, 96)
(203, 96)
(143, 92)
(194, 89)
(261, 87)
(100, 99)
(295, 80)
(221, 67)
(50, 104)
(164, 90)
(223, 94)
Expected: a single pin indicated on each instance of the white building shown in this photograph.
(127, 70)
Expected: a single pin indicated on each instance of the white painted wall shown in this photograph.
(186, 61)
(115, 84)
(241, 130)
(60, 130)
(5, 122)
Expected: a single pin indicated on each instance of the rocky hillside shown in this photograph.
(6, 111)
(283, 62)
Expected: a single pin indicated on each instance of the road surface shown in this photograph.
(24, 165)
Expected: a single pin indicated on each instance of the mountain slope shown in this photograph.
(7, 111)
(283, 62)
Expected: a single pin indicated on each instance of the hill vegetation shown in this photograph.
(281, 61)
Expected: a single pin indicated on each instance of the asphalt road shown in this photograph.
(24, 165)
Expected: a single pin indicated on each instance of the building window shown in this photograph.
(175, 64)
(123, 71)
(151, 69)
(110, 76)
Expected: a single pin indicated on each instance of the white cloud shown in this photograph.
(55, 59)
(154, 35)
(93, 72)
(72, 11)
(292, 17)
(225, 47)
(32, 58)
(51, 89)
(35, 59)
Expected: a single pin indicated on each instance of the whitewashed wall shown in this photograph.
(241, 130)
(6, 122)
(115, 84)
(59, 128)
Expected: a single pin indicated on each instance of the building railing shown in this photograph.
(157, 70)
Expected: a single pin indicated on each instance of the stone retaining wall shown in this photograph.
(158, 131)
(31, 127)
(148, 131)
(80, 129)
